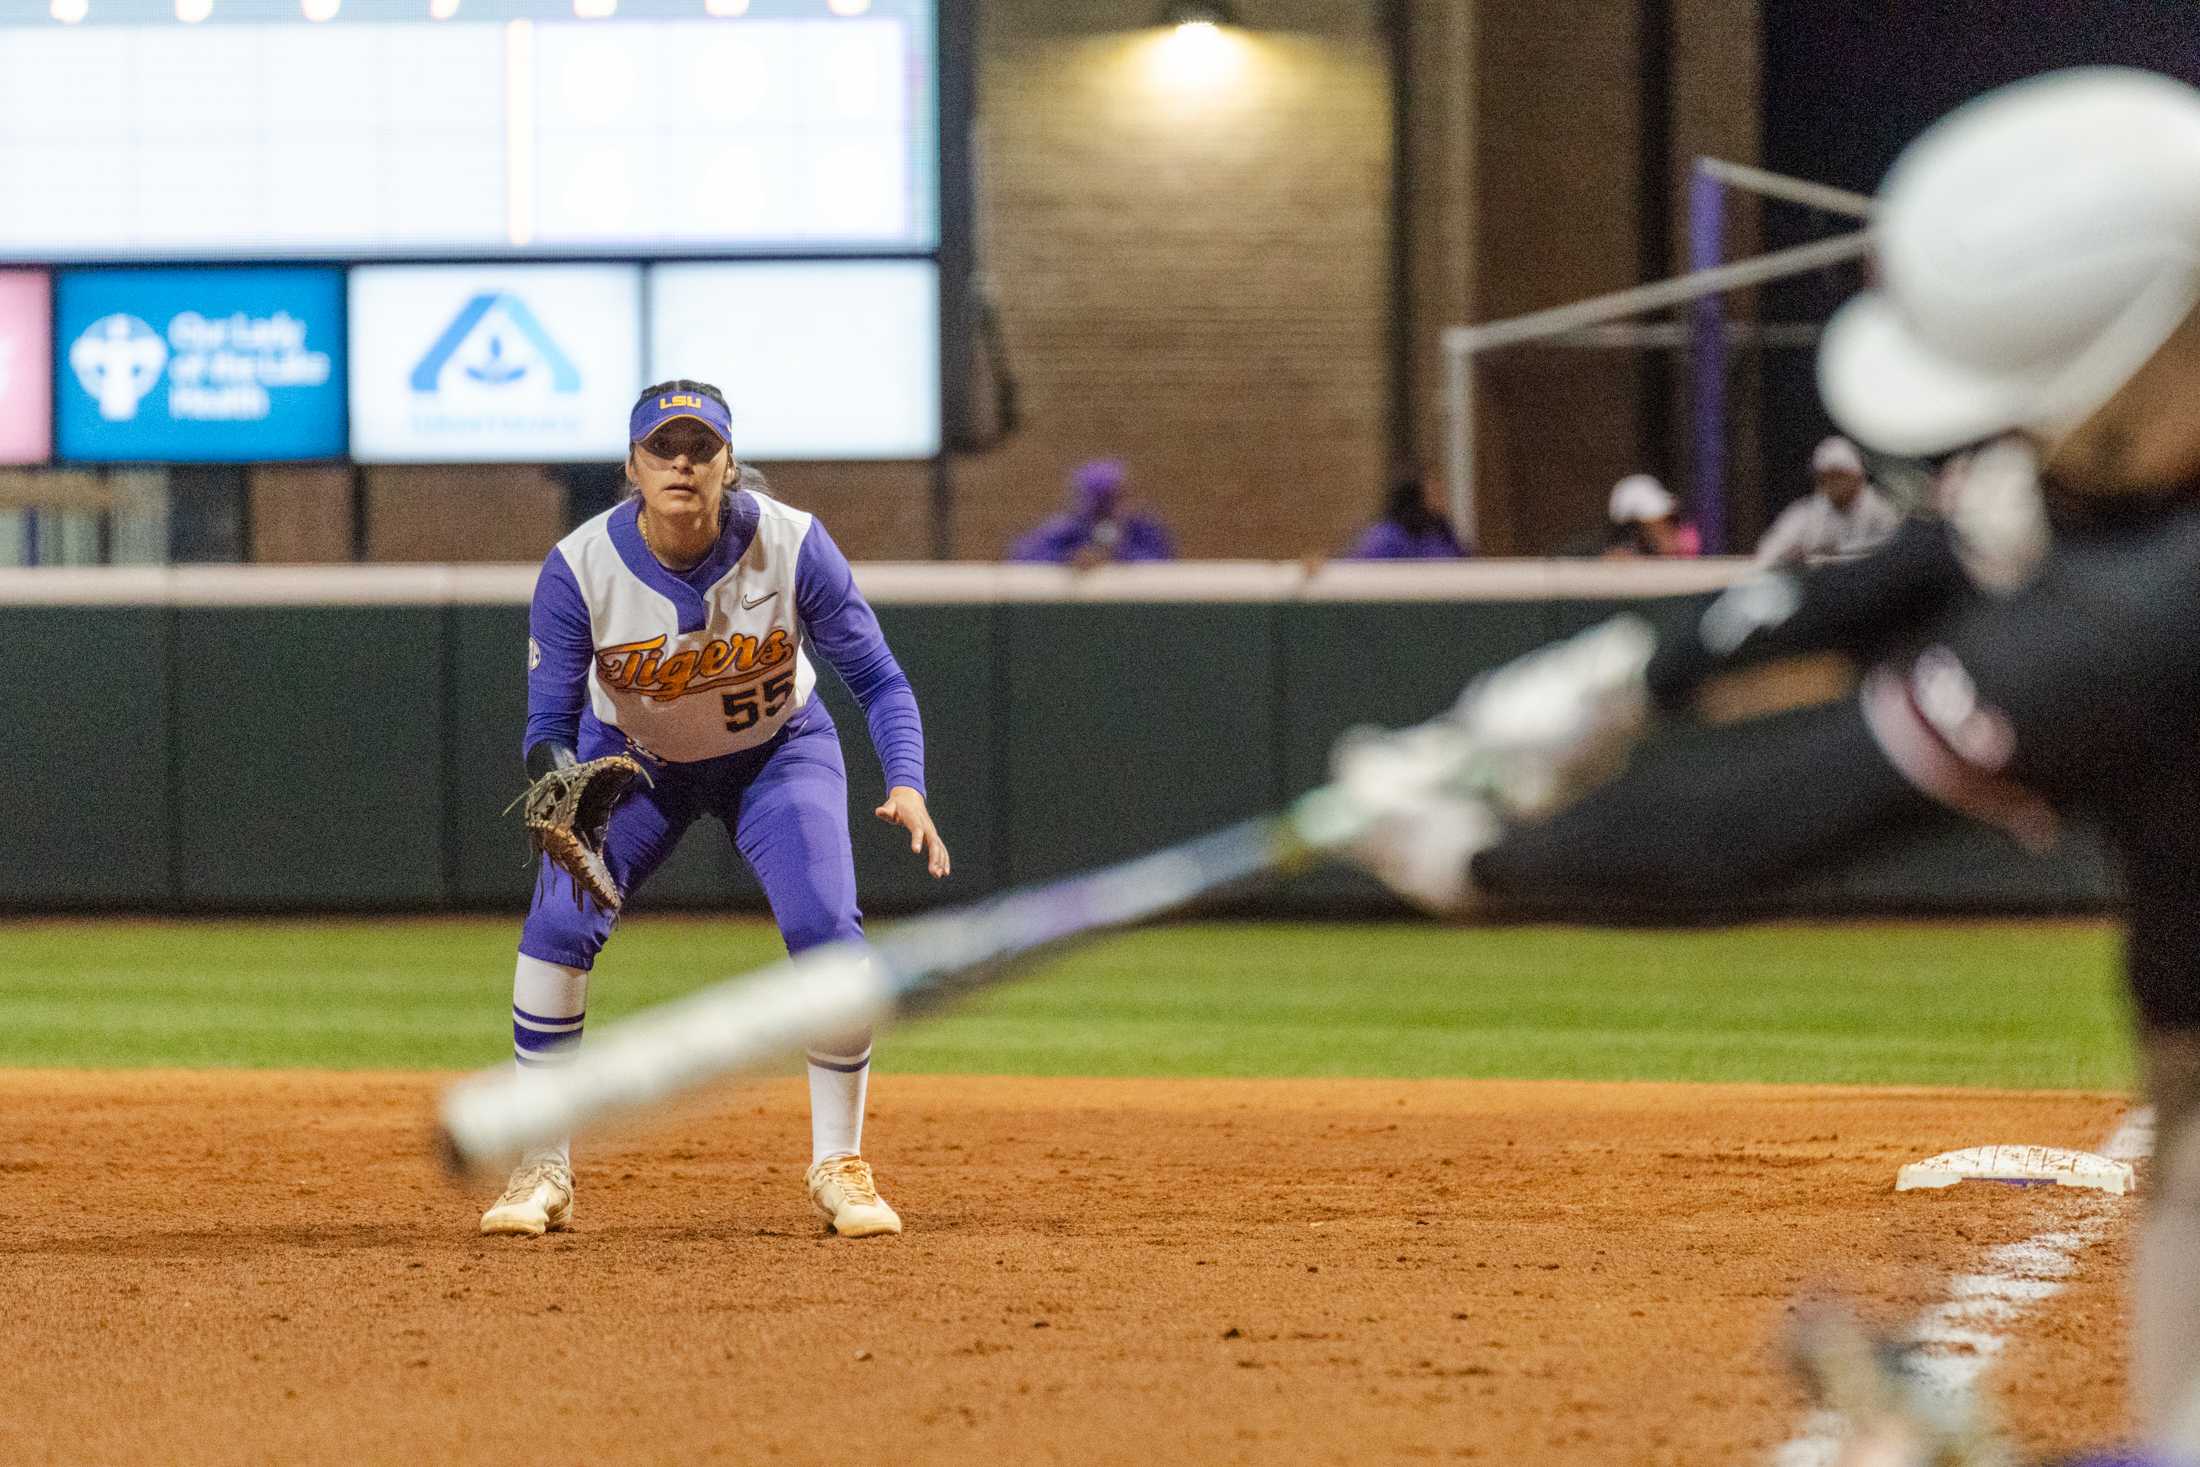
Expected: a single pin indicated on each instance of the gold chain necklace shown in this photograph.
(641, 522)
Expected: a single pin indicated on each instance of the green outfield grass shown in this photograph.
(1990, 1004)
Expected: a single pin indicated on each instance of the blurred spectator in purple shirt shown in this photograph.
(1097, 527)
(1410, 529)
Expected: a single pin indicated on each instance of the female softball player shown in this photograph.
(674, 628)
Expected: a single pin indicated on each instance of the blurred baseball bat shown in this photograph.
(750, 1021)
(743, 1023)
(1895, 1418)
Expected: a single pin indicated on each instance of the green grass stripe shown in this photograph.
(1992, 1004)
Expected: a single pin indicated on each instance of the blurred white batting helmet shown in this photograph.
(2035, 248)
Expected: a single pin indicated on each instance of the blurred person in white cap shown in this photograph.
(1643, 520)
(1842, 517)
(2031, 655)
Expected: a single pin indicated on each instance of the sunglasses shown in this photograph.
(684, 436)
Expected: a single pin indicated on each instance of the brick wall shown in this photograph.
(1192, 277)
(300, 514)
(1525, 143)
(1556, 132)
(478, 512)
(1201, 282)
(1197, 278)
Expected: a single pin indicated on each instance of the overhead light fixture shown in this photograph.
(848, 7)
(320, 10)
(595, 9)
(442, 9)
(726, 8)
(69, 12)
(1198, 12)
(1201, 48)
(191, 12)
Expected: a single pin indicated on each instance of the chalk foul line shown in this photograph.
(1957, 1338)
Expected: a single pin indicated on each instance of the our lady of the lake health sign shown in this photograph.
(200, 365)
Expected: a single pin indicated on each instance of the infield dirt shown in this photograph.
(230, 1267)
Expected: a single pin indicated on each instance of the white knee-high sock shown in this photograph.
(549, 1002)
(839, 1081)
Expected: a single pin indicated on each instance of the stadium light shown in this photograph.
(1209, 13)
(191, 12)
(1202, 48)
(320, 9)
(726, 8)
(69, 12)
(442, 9)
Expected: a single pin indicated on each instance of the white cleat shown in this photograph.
(538, 1200)
(843, 1191)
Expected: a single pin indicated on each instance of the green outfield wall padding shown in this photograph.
(84, 757)
(1955, 865)
(702, 875)
(308, 756)
(360, 757)
(948, 654)
(1126, 727)
(1384, 663)
(1564, 618)
(487, 704)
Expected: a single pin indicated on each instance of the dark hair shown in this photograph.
(1407, 505)
(683, 384)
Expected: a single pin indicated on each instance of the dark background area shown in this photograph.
(1846, 85)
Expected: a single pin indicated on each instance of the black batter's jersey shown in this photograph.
(2077, 694)
(2086, 685)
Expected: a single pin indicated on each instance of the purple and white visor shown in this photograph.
(652, 413)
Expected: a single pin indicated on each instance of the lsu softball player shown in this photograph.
(676, 627)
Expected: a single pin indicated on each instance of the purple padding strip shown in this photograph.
(1707, 361)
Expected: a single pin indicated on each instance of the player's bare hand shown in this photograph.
(905, 807)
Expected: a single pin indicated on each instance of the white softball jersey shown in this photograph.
(703, 664)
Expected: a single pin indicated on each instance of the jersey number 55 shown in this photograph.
(743, 709)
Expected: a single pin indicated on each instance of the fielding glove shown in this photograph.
(567, 812)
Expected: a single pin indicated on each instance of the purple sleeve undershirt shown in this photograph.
(1057, 542)
(1384, 540)
(845, 631)
(1389, 540)
(1145, 538)
(560, 643)
(1053, 543)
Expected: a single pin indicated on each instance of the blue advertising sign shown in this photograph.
(199, 366)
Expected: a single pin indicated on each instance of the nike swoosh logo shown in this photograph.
(748, 605)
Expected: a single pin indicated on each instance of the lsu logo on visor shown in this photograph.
(643, 667)
(680, 400)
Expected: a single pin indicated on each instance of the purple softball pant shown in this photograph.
(786, 804)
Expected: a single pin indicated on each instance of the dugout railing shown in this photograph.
(346, 738)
